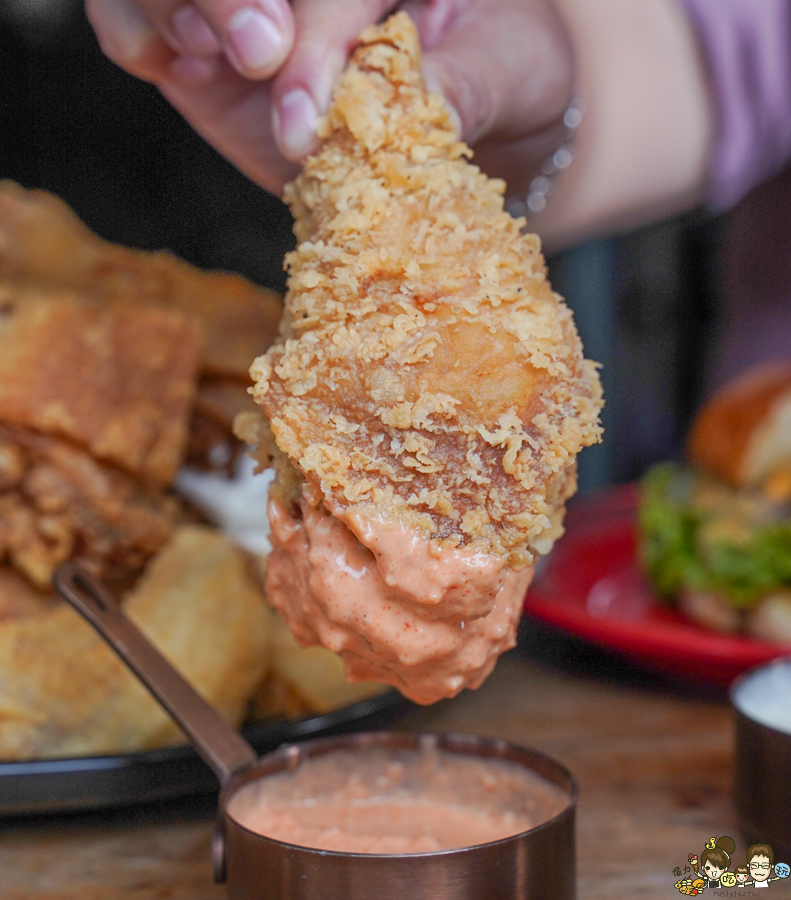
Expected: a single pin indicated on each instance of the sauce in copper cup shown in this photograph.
(393, 816)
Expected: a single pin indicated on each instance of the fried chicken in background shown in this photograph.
(117, 381)
(96, 399)
(45, 249)
(43, 242)
(64, 692)
(117, 368)
(57, 502)
(101, 356)
(426, 398)
(95, 406)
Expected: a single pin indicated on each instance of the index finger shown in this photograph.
(129, 38)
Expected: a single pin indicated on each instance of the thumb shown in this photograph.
(505, 67)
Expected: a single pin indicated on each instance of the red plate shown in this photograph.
(592, 586)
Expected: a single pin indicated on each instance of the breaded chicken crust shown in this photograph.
(425, 372)
(43, 243)
(57, 502)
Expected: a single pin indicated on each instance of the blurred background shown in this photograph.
(648, 304)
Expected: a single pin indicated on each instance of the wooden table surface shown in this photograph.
(653, 761)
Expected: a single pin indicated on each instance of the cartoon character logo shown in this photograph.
(715, 861)
(741, 874)
(760, 862)
(711, 871)
(690, 886)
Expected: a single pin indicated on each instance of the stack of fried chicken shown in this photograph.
(105, 354)
(117, 367)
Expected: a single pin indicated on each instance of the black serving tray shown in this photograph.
(102, 782)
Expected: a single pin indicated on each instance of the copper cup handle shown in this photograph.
(221, 747)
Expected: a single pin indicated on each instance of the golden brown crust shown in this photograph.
(119, 381)
(222, 399)
(66, 505)
(100, 350)
(64, 692)
(19, 598)
(426, 371)
(42, 241)
(725, 428)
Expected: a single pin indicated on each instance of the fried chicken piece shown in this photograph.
(107, 358)
(60, 504)
(42, 241)
(428, 390)
(305, 680)
(45, 250)
(64, 692)
(212, 445)
(118, 381)
(18, 598)
(426, 371)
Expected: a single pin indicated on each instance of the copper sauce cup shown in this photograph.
(538, 864)
(762, 757)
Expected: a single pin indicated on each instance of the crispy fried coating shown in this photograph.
(306, 680)
(57, 503)
(126, 323)
(108, 358)
(221, 400)
(42, 241)
(212, 445)
(19, 598)
(116, 380)
(64, 692)
(426, 372)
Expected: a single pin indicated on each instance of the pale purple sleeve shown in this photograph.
(746, 45)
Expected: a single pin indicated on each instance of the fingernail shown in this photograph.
(194, 32)
(125, 32)
(295, 120)
(254, 39)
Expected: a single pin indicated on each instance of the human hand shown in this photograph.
(252, 76)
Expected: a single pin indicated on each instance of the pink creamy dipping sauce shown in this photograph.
(395, 607)
(387, 801)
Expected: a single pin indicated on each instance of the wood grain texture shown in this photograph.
(653, 761)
